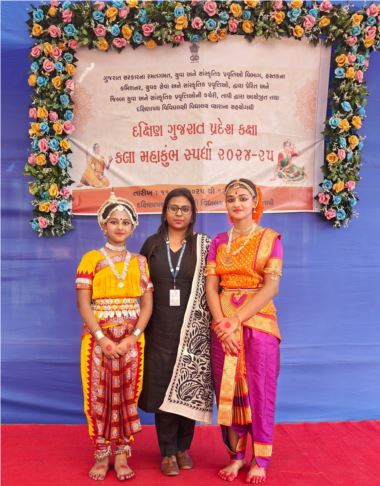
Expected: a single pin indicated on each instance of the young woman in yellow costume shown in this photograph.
(114, 295)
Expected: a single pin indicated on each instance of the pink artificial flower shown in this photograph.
(194, 2)
(325, 6)
(350, 185)
(67, 15)
(119, 42)
(100, 5)
(323, 198)
(69, 84)
(277, 5)
(53, 157)
(53, 208)
(308, 22)
(48, 66)
(32, 159)
(351, 41)
(351, 58)
(197, 23)
(54, 3)
(65, 192)
(42, 222)
(233, 25)
(359, 76)
(53, 116)
(56, 53)
(341, 153)
(32, 112)
(372, 10)
(43, 145)
(123, 12)
(210, 8)
(330, 213)
(179, 38)
(68, 127)
(147, 29)
(36, 51)
(54, 31)
(371, 31)
(73, 44)
(366, 62)
(100, 30)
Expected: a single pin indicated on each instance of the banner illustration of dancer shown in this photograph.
(286, 169)
(97, 164)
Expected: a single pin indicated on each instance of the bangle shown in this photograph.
(99, 334)
(136, 332)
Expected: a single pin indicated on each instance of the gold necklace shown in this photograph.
(228, 261)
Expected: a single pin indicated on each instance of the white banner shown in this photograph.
(200, 115)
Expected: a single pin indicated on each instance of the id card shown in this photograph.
(174, 297)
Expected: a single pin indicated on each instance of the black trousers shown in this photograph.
(174, 432)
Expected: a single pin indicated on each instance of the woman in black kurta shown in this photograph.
(176, 340)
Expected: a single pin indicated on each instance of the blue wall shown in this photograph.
(329, 304)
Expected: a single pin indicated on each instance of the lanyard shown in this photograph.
(172, 271)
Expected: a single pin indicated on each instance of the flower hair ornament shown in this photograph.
(116, 203)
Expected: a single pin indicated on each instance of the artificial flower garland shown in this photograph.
(59, 28)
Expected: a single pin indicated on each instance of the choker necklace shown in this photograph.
(228, 261)
(119, 276)
(242, 231)
(112, 247)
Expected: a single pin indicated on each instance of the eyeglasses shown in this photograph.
(173, 208)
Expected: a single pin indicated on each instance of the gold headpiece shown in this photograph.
(238, 184)
(120, 204)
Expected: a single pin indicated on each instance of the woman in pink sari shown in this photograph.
(246, 263)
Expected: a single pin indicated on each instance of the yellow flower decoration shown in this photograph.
(65, 144)
(42, 112)
(52, 11)
(236, 10)
(213, 36)
(34, 129)
(53, 190)
(102, 44)
(350, 72)
(247, 26)
(338, 187)
(356, 19)
(344, 125)
(279, 17)
(58, 128)
(70, 68)
(126, 32)
(298, 31)
(356, 121)
(296, 3)
(181, 23)
(251, 3)
(324, 22)
(341, 60)
(150, 44)
(57, 82)
(37, 30)
(222, 34)
(369, 41)
(40, 159)
(47, 48)
(132, 3)
(111, 13)
(353, 140)
(32, 80)
(44, 207)
(332, 158)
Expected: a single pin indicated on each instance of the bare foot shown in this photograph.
(256, 474)
(99, 469)
(122, 470)
(230, 472)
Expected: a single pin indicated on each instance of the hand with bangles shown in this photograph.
(226, 331)
(126, 344)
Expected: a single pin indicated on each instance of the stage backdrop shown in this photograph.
(329, 302)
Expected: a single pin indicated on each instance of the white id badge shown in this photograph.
(174, 297)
